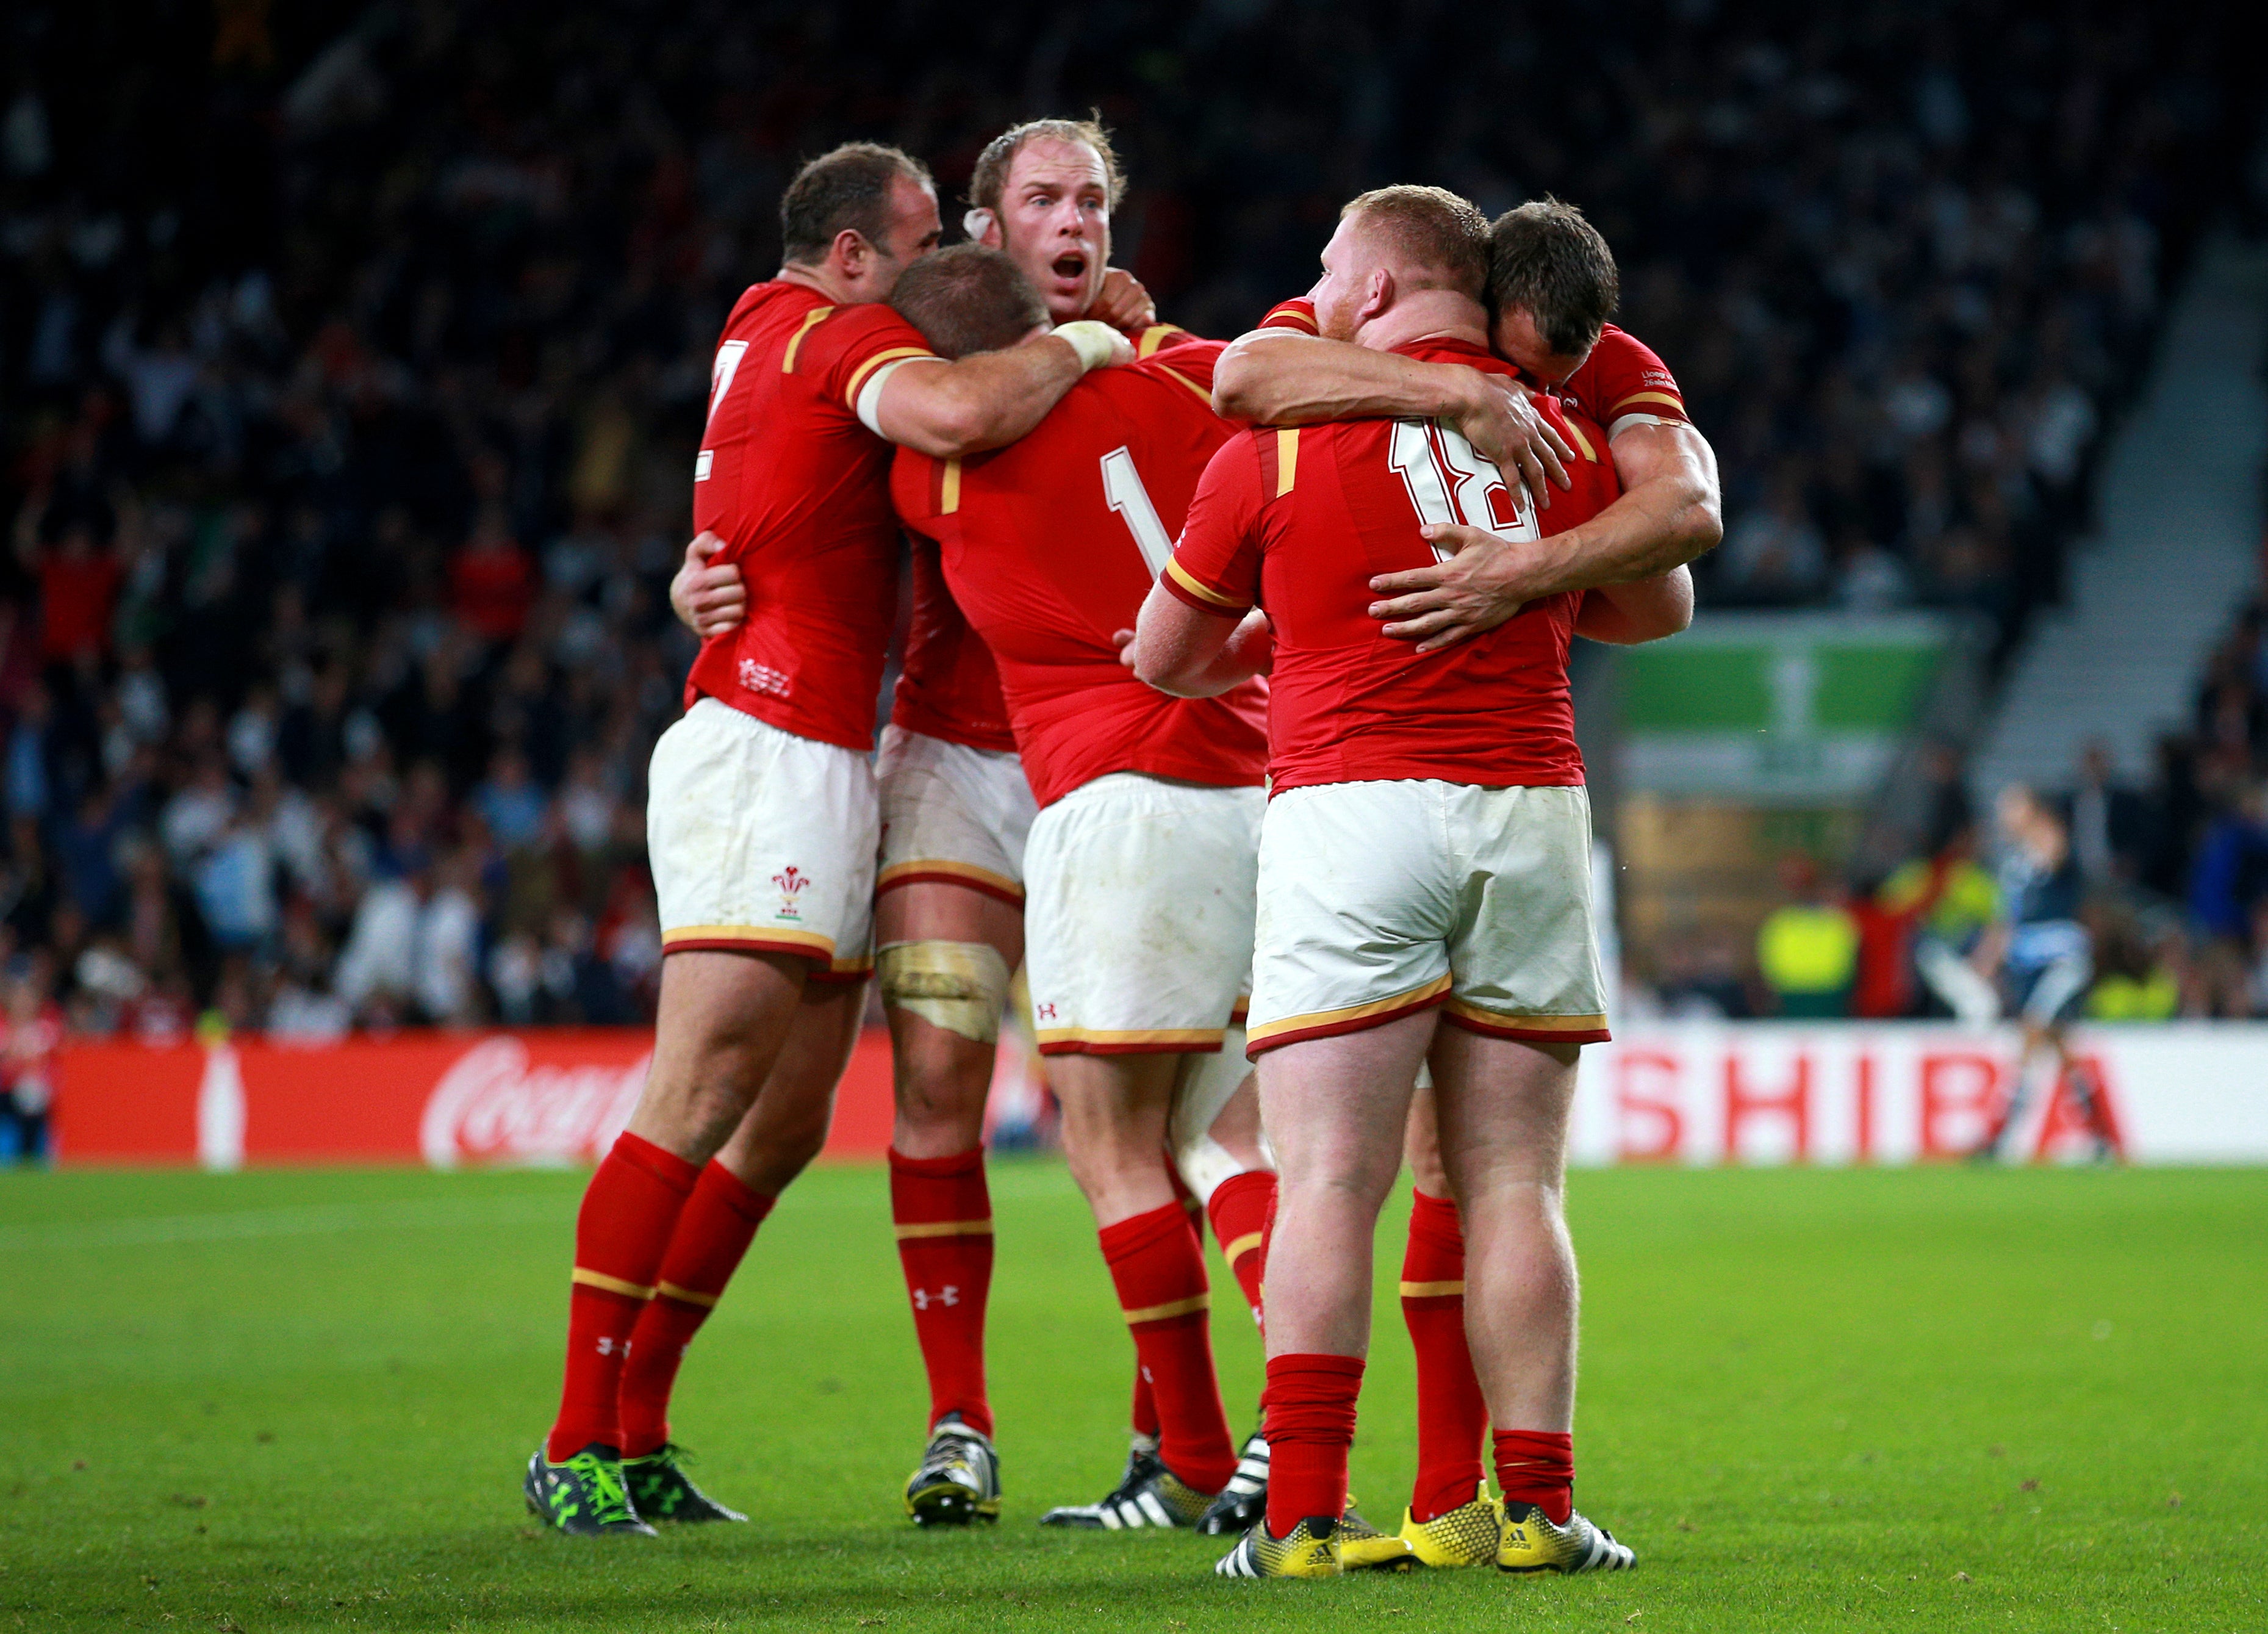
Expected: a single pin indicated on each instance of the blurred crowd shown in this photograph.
(352, 364)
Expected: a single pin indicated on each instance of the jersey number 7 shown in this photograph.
(1450, 482)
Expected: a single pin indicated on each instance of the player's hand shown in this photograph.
(1504, 426)
(1124, 640)
(1487, 580)
(708, 599)
(1123, 303)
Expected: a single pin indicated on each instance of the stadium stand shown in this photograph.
(352, 363)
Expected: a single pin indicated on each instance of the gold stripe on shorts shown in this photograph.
(1265, 1030)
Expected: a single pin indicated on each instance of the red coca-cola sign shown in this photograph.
(496, 1104)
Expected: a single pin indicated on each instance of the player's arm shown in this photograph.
(1200, 631)
(1625, 615)
(989, 398)
(1281, 377)
(708, 597)
(1670, 510)
(1189, 654)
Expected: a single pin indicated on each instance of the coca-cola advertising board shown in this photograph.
(1753, 1093)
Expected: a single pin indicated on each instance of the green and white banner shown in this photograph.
(1776, 708)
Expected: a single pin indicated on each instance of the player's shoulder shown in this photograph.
(1297, 314)
(1188, 365)
(1624, 375)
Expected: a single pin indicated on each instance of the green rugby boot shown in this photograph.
(584, 1497)
(661, 1490)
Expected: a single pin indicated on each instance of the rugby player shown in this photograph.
(1552, 275)
(762, 821)
(1141, 861)
(1425, 858)
(2042, 951)
(956, 808)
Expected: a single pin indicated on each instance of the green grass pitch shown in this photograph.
(1924, 1400)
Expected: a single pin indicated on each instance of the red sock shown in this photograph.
(1537, 1467)
(628, 1212)
(943, 1215)
(719, 1220)
(1158, 1268)
(1240, 1208)
(1310, 1404)
(1451, 1417)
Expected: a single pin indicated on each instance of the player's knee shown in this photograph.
(959, 987)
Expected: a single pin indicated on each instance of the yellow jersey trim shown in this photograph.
(1182, 576)
(812, 320)
(1287, 459)
(858, 375)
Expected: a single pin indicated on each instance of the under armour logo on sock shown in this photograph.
(949, 1294)
(614, 1347)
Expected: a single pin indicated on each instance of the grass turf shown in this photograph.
(1929, 1399)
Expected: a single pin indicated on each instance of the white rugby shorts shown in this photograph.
(952, 814)
(1380, 899)
(761, 842)
(1138, 929)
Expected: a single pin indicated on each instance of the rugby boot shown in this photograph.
(1148, 1495)
(661, 1490)
(584, 1497)
(1364, 1548)
(1312, 1550)
(958, 1480)
(1467, 1535)
(1533, 1542)
(1245, 1498)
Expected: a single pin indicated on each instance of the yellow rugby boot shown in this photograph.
(1533, 1542)
(1364, 1548)
(1467, 1535)
(1311, 1551)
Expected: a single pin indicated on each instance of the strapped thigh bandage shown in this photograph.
(958, 985)
(1208, 1083)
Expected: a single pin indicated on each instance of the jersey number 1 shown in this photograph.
(1122, 485)
(1450, 482)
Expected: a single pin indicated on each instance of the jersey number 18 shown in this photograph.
(1450, 482)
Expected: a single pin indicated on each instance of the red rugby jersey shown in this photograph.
(1049, 546)
(1298, 521)
(949, 686)
(1621, 378)
(795, 485)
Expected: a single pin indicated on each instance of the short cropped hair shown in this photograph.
(849, 188)
(968, 298)
(988, 182)
(1544, 258)
(1434, 229)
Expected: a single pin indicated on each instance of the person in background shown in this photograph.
(2045, 958)
(31, 1032)
(1808, 951)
